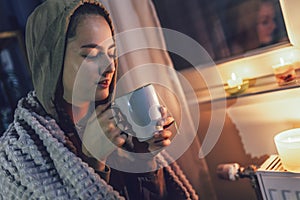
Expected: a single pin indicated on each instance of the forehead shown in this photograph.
(266, 9)
(93, 28)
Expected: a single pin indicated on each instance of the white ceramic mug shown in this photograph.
(140, 109)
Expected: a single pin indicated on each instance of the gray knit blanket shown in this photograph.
(36, 163)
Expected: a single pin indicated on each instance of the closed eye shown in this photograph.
(93, 51)
(90, 53)
(92, 56)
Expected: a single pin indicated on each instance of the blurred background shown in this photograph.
(15, 80)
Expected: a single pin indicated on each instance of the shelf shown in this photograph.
(257, 86)
(9, 34)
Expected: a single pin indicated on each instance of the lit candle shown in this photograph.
(288, 148)
(284, 72)
(235, 81)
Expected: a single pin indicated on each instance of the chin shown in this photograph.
(101, 96)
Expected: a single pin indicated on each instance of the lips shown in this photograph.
(103, 83)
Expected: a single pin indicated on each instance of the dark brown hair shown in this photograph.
(86, 9)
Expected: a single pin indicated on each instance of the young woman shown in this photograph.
(72, 55)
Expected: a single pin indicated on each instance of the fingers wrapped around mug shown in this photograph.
(115, 135)
(159, 140)
(108, 123)
(166, 120)
(102, 136)
(162, 137)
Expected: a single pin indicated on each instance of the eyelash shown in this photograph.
(88, 56)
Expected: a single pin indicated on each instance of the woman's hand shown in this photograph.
(101, 136)
(161, 138)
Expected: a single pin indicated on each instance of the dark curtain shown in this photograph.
(14, 13)
(15, 80)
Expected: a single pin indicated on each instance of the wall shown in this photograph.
(247, 135)
(250, 122)
(228, 149)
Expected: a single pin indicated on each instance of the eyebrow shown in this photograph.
(92, 45)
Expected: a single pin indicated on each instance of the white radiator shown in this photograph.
(276, 183)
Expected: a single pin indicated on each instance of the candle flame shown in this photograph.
(281, 61)
(235, 81)
(233, 76)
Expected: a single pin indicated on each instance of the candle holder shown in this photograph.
(237, 89)
(284, 73)
(288, 148)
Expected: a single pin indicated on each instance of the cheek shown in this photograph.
(87, 74)
(261, 29)
(72, 65)
(79, 84)
(78, 72)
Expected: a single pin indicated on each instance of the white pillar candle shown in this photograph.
(288, 148)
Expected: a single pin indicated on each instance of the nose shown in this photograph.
(107, 66)
(109, 70)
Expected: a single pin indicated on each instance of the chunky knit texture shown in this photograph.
(37, 162)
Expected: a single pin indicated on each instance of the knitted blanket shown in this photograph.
(36, 163)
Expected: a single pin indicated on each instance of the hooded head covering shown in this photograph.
(46, 34)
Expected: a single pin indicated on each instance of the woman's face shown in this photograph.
(266, 23)
(89, 61)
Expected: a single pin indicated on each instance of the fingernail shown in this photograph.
(159, 128)
(162, 108)
(161, 122)
(170, 119)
